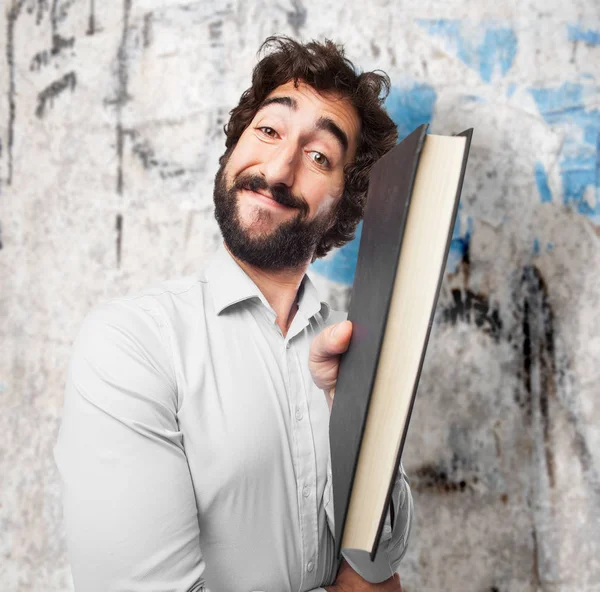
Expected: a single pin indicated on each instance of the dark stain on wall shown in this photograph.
(539, 364)
(11, 19)
(42, 8)
(47, 96)
(42, 58)
(147, 30)
(39, 60)
(535, 564)
(436, 477)
(147, 156)
(296, 18)
(59, 43)
(57, 14)
(471, 307)
(91, 30)
(215, 33)
(119, 229)
(122, 92)
(453, 476)
(541, 376)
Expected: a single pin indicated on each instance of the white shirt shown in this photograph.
(194, 445)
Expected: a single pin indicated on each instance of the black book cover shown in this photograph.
(390, 189)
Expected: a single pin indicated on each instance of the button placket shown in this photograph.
(306, 470)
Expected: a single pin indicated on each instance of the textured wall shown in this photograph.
(110, 132)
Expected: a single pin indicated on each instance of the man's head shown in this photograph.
(300, 144)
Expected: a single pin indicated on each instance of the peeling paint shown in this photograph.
(571, 108)
(488, 48)
(578, 32)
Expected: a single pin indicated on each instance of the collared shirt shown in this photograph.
(194, 444)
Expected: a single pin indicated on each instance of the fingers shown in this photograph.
(331, 341)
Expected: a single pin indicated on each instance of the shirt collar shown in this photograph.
(229, 285)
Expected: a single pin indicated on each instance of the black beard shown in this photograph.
(291, 245)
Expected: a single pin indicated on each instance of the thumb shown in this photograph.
(340, 336)
(324, 355)
(332, 341)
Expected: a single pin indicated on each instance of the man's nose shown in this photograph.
(280, 166)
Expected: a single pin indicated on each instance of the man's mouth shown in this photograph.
(266, 199)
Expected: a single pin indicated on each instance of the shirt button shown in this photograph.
(387, 529)
(299, 415)
(287, 345)
(306, 491)
(309, 566)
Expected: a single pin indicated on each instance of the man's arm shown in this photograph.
(128, 501)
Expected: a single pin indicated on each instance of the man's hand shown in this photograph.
(324, 358)
(349, 581)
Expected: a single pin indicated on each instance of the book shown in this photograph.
(412, 201)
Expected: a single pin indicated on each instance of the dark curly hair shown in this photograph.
(324, 67)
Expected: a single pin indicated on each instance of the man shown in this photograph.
(194, 446)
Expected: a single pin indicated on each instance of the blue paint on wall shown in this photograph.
(537, 247)
(410, 107)
(577, 33)
(579, 158)
(460, 243)
(541, 180)
(492, 49)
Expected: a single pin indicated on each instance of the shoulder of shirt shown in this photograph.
(162, 300)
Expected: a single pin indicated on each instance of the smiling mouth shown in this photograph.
(267, 200)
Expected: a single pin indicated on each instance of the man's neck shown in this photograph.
(280, 288)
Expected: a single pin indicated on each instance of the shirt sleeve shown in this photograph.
(129, 507)
(398, 521)
(396, 527)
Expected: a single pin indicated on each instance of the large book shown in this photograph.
(412, 201)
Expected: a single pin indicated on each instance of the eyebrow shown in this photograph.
(328, 125)
(287, 101)
(323, 123)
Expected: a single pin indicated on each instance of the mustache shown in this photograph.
(280, 193)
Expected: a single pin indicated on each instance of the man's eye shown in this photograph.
(268, 131)
(319, 158)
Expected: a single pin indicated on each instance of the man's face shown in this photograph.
(275, 196)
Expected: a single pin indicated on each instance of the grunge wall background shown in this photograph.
(111, 120)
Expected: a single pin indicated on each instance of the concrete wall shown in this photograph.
(110, 131)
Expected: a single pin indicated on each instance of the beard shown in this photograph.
(290, 245)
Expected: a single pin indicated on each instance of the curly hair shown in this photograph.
(324, 67)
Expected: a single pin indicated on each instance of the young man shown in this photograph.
(194, 447)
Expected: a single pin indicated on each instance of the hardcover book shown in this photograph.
(412, 201)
